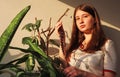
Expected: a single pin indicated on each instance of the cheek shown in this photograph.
(90, 23)
(77, 22)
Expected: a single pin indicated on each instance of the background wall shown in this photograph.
(44, 9)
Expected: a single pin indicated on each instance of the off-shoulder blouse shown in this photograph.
(101, 60)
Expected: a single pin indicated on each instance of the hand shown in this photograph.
(59, 29)
(73, 72)
(58, 24)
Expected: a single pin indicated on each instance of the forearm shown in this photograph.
(62, 58)
(88, 74)
(106, 74)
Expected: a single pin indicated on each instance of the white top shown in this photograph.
(104, 59)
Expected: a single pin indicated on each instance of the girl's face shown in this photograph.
(85, 21)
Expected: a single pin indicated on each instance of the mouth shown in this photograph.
(82, 26)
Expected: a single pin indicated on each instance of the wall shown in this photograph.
(44, 9)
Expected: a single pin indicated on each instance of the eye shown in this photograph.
(85, 16)
(77, 18)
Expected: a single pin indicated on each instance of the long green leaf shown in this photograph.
(15, 62)
(8, 34)
(47, 65)
(45, 59)
(37, 49)
(21, 49)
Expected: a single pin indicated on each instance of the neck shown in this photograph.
(86, 41)
(87, 37)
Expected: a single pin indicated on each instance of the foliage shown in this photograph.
(8, 34)
(36, 55)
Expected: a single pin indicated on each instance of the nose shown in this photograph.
(81, 21)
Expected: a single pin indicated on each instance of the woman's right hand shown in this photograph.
(59, 29)
(61, 33)
(58, 24)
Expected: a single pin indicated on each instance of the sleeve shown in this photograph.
(110, 57)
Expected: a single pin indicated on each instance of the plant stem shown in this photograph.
(60, 19)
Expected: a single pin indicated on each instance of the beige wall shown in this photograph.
(44, 9)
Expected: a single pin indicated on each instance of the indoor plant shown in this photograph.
(48, 67)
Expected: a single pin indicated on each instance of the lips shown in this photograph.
(82, 26)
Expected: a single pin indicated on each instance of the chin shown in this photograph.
(83, 30)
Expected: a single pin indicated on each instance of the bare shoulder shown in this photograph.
(109, 42)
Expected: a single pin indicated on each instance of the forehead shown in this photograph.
(80, 12)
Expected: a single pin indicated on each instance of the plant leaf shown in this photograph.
(21, 49)
(47, 66)
(8, 34)
(22, 59)
(38, 23)
(16, 69)
(30, 62)
(19, 74)
(36, 48)
(28, 27)
(25, 39)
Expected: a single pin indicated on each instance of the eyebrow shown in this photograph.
(82, 14)
(76, 16)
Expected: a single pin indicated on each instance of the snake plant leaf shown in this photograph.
(8, 34)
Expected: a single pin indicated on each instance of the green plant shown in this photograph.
(37, 52)
(8, 34)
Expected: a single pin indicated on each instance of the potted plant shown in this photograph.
(37, 51)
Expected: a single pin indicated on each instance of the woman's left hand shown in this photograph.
(73, 72)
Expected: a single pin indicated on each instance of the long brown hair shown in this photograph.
(77, 37)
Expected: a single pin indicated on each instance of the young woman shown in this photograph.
(90, 53)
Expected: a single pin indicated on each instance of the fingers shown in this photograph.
(72, 72)
(69, 71)
(59, 29)
(58, 25)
